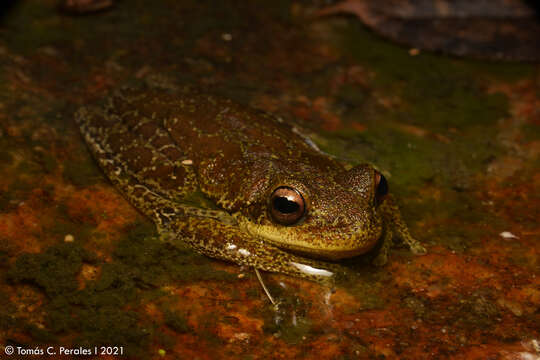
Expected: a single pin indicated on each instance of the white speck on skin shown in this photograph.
(309, 270)
(187, 162)
(244, 252)
(508, 235)
(231, 246)
(69, 238)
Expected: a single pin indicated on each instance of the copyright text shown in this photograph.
(61, 350)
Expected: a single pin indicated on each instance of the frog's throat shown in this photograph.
(322, 248)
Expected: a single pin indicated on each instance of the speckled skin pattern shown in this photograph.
(203, 169)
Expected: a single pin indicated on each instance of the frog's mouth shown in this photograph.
(331, 246)
(324, 253)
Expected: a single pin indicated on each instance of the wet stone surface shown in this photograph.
(457, 140)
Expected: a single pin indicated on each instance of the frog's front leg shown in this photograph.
(227, 242)
(395, 226)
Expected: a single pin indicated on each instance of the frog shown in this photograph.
(239, 184)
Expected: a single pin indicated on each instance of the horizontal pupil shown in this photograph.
(285, 206)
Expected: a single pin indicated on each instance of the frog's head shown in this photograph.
(329, 215)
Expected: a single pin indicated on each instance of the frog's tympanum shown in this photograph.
(240, 185)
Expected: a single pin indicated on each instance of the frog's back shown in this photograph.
(206, 126)
(176, 145)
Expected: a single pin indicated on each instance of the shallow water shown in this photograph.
(458, 141)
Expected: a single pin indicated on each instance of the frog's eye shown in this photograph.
(287, 205)
(381, 187)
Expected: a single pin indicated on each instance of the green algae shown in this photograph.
(140, 262)
(82, 172)
(157, 262)
(436, 94)
(54, 270)
(92, 313)
(112, 327)
(177, 322)
(410, 161)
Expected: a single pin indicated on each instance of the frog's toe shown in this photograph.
(418, 249)
(381, 259)
(413, 244)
